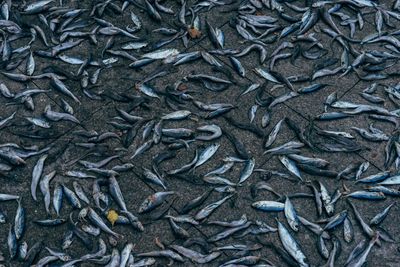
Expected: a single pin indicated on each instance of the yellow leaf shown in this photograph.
(112, 216)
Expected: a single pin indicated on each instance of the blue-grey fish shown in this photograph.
(36, 174)
(291, 246)
(206, 154)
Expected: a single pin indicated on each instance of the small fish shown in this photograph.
(378, 218)
(45, 189)
(12, 243)
(207, 210)
(36, 174)
(30, 65)
(19, 223)
(336, 220)
(161, 54)
(247, 171)
(177, 115)
(196, 256)
(50, 222)
(273, 134)
(266, 205)
(291, 215)
(206, 154)
(125, 254)
(7, 197)
(291, 245)
(348, 231)
(291, 166)
(95, 219)
(153, 201)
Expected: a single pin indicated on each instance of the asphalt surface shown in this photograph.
(119, 79)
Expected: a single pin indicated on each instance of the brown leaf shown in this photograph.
(182, 87)
(194, 33)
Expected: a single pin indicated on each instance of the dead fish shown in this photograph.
(291, 166)
(291, 245)
(153, 201)
(156, 134)
(195, 256)
(207, 210)
(206, 154)
(36, 174)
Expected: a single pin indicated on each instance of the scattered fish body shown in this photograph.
(192, 122)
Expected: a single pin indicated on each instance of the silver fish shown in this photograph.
(36, 174)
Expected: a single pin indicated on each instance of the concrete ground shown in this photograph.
(117, 82)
